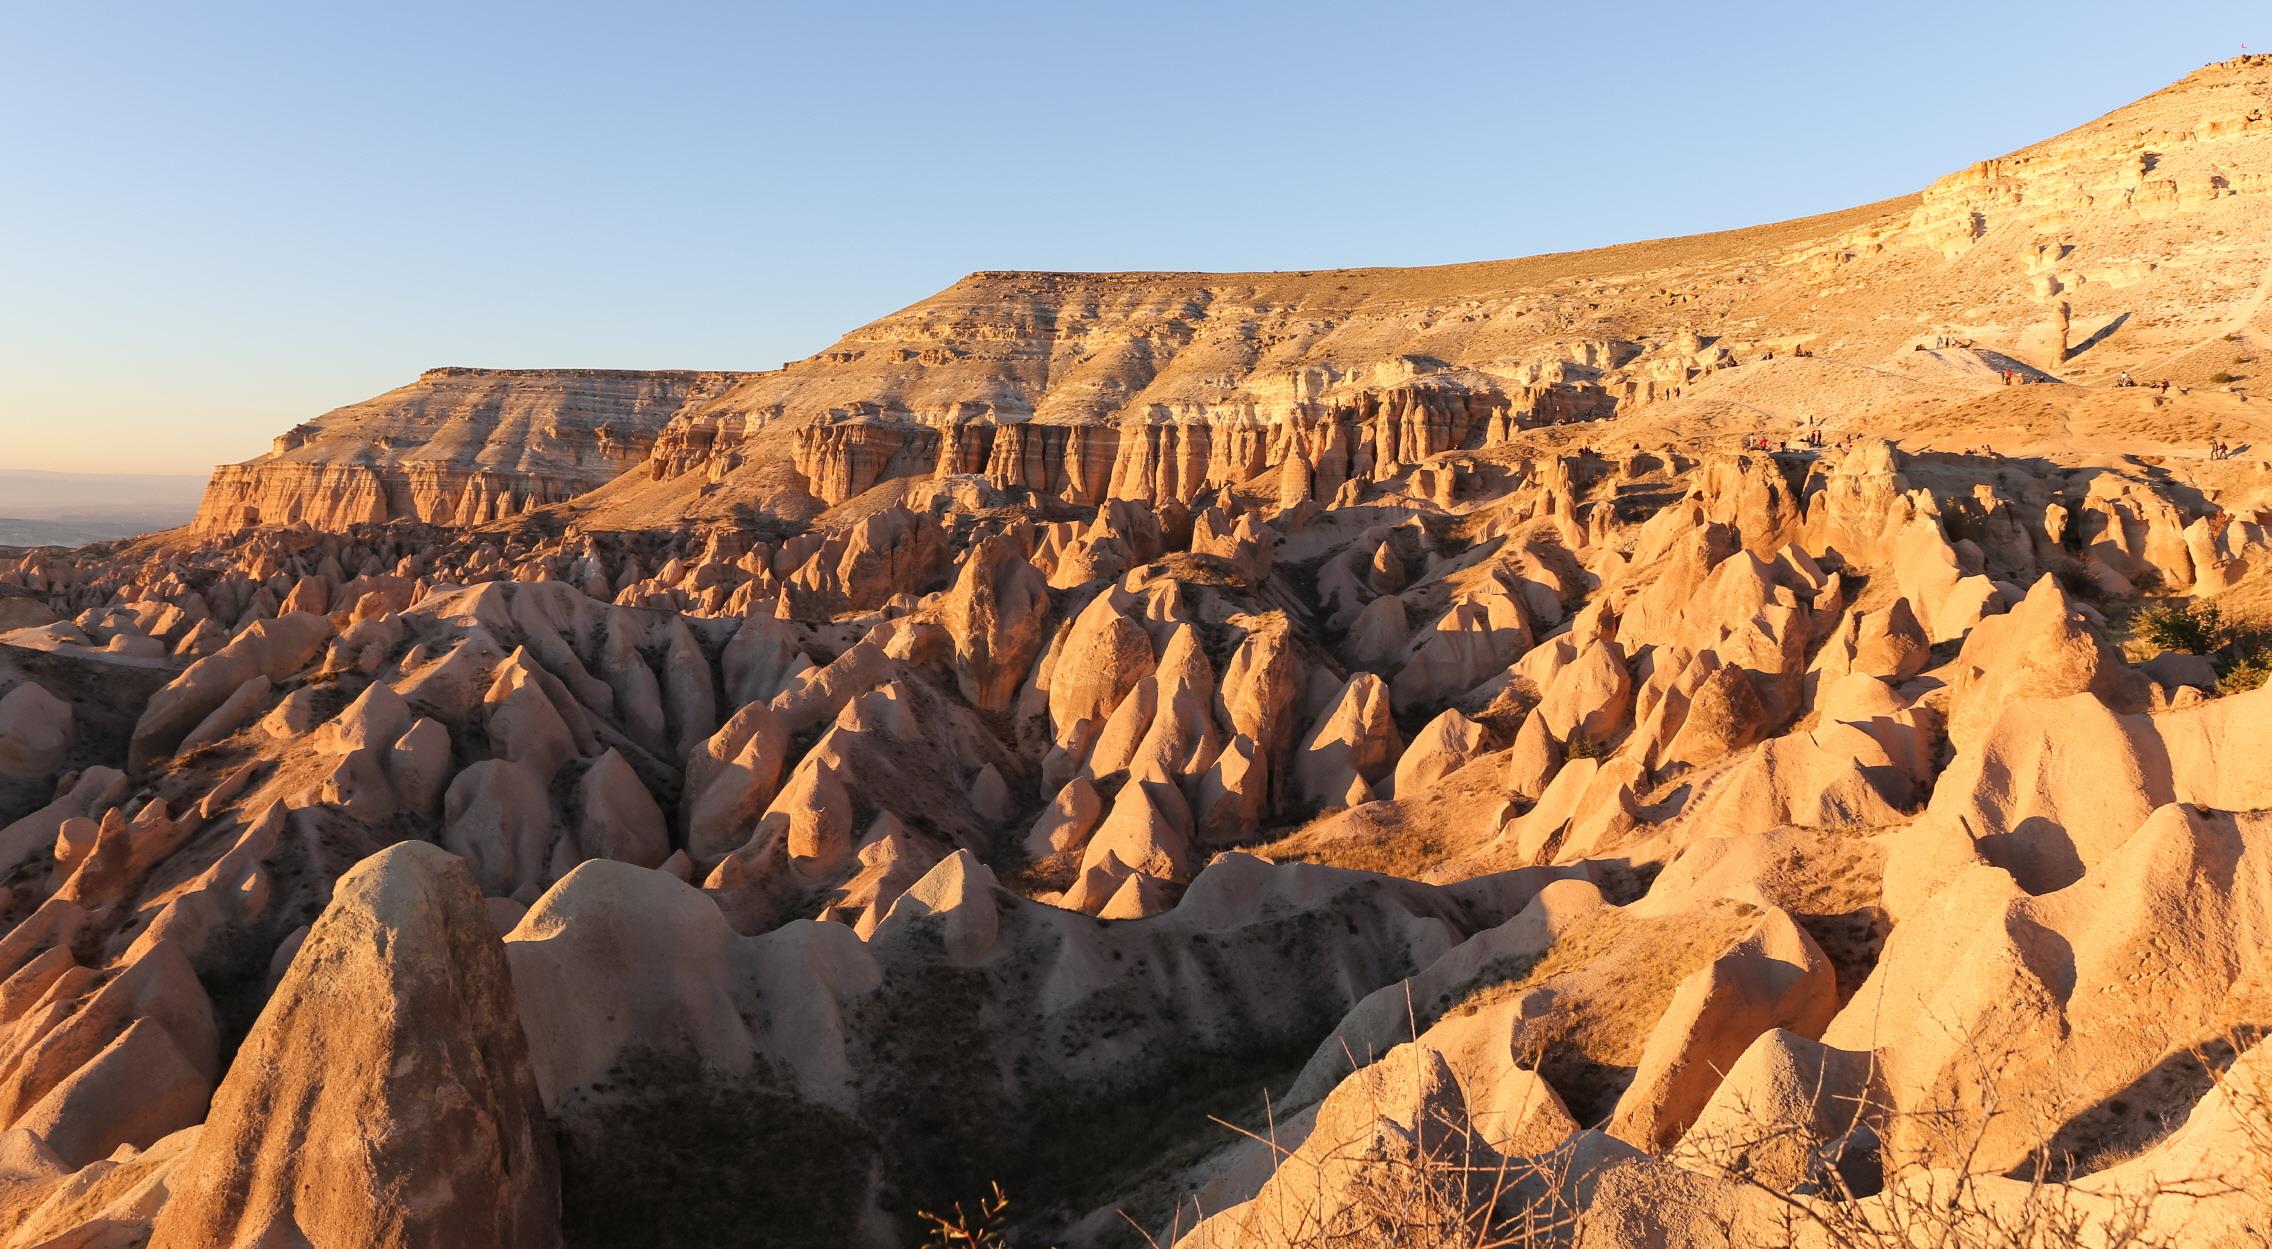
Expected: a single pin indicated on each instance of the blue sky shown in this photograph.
(220, 219)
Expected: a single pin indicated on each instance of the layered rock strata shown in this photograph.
(457, 446)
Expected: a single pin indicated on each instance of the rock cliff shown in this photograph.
(457, 446)
(2125, 245)
(2128, 244)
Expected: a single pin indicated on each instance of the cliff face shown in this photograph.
(457, 446)
(1366, 433)
(2134, 243)
(1083, 387)
(2131, 243)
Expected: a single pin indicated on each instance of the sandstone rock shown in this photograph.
(1354, 744)
(1293, 515)
(1448, 743)
(325, 472)
(385, 1097)
(731, 779)
(1724, 715)
(1592, 697)
(90, 794)
(236, 711)
(815, 817)
(1789, 1107)
(616, 818)
(1068, 820)
(996, 613)
(1535, 759)
(499, 819)
(955, 902)
(1104, 657)
(2040, 649)
(418, 766)
(35, 732)
(272, 648)
(1147, 832)
(1776, 978)
(525, 722)
(132, 1062)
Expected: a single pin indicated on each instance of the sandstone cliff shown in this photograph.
(2129, 244)
(457, 446)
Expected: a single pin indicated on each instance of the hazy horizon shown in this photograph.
(248, 215)
(40, 507)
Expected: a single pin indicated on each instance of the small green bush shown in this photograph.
(2176, 625)
(2243, 652)
(2249, 660)
(2222, 379)
(2247, 673)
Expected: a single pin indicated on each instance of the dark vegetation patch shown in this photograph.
(967, 1086)
(2240, 650)
(105, 700)
(937, 1095)
(1852, 941)
(233, 968)
(672, 1154)
(1080, 1153)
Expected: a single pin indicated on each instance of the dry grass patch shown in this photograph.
(1608, 981)
(1412, 838)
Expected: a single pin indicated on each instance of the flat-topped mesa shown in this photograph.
(457, 446)
(2198, 141)
(1088, 386)
(2094, 252)
(2129, 244)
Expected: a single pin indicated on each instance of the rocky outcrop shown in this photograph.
(386, 1097)
(457, 446)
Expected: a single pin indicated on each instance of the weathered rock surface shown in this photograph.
(457, 446)
(385, 1098)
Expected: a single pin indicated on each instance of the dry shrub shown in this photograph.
(1438, 1186)
(980, 1226)
(1939, 1192)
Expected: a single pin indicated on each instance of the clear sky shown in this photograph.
(218, 219)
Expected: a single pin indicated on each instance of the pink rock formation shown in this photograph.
(394, 1030)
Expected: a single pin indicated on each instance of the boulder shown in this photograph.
(35, 732)
(384, 1099)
